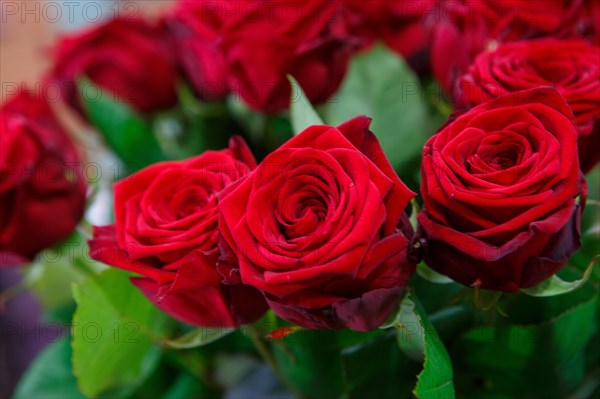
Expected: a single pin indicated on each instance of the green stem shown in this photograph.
(194, 362)
(266, 354)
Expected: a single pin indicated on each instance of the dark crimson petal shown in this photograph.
(318, 319)
(203, 306)
(556, 253)
(357, 132)
(104, 248)
(370, 310)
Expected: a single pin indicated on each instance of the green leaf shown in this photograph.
(198, 337)
(51, 281)
(55, 269)
(431, 275)
(126, 132)
(556, 286)
(519, 307)
(302, 112)
(414, 211)
(419, 340)
(50, 375)
(435, 297)
(409, 335)
(381, 85)
(115, 329)
(534, 361)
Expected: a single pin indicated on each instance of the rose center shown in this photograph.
(188, 202)
(498, 156)
(303, 217)
(557, 73)
(314, 207)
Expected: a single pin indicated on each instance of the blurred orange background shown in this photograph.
(29, 27)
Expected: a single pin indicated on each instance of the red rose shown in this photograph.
(500, 186)
(264, 41)
(194, 30)
(400, 24)
(459, 32)
(42, 191)
(319, 227)
(126, 57)
(166, 230)
(462, 29)
(571, 66)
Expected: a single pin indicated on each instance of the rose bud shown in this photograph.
(570, 66)
(265, 41)
(166, 230)
(128, 58)
(42, 191)
(319, 227)
(500, 186)
(194, 31)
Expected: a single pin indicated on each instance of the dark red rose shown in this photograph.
(570, 66)
(165, 229)
(42, 191)
(264, 41)
(500, 186)
(400, 24)
(461, 29)
(319, 227)
(195, 33)
(126, 57)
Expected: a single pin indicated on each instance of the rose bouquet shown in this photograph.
(384, 199)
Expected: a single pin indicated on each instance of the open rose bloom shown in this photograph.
(321, 199)
(569, 65)
(171, 239)
(503, 192)
(319, 227)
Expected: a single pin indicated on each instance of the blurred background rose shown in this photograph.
(28, 27)
(27, 30)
